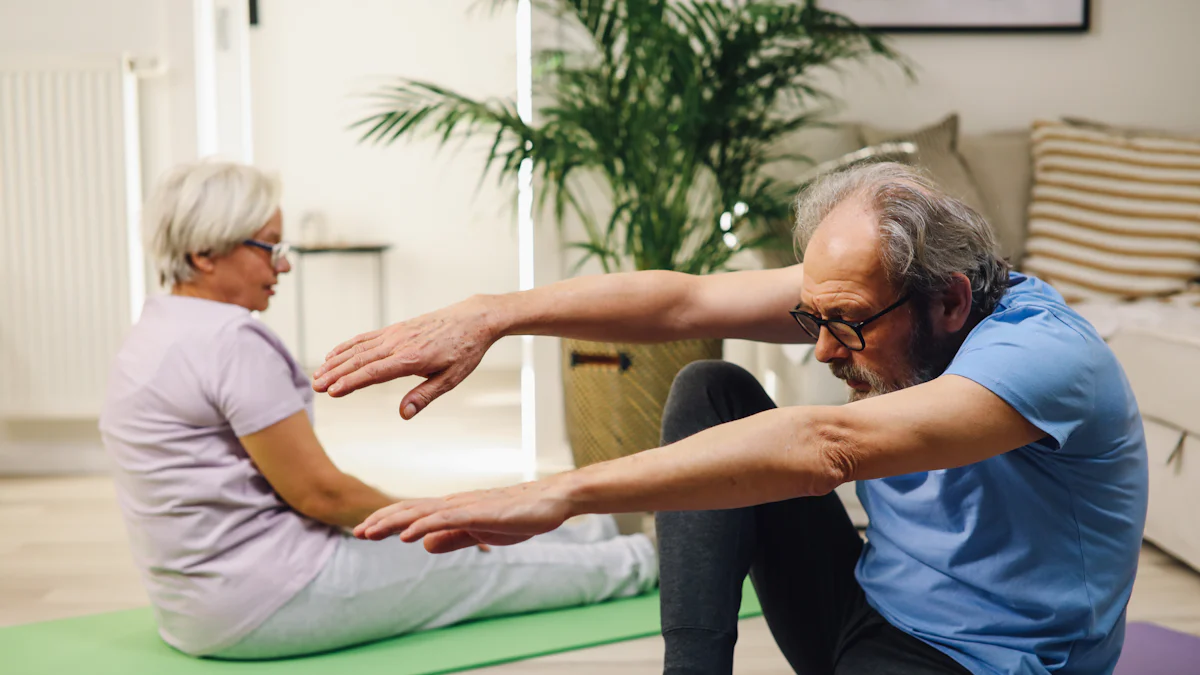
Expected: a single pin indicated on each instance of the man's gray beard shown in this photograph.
(928, 357)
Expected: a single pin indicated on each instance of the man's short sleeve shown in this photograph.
(1036, 363)
(255, 384)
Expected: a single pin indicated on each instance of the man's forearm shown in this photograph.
(655, 306)
(803, 451)
(774, 455)
(633, 307)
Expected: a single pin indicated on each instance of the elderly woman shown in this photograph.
(235, 514)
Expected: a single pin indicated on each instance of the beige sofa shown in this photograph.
(1158, 344)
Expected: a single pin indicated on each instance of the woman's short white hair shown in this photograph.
(205, 207)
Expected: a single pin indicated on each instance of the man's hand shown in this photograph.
(497, 517)
(443, 346)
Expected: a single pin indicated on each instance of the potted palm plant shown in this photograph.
(676, 106)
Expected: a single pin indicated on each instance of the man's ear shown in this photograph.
(953, 309)
(201, 262)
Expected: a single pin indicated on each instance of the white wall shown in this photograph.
(1136, 66)
(450, 238)
(144, 28)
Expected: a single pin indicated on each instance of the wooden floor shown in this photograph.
(63, 553)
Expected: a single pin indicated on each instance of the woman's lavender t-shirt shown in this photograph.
(218, 549)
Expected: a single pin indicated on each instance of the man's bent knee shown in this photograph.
(702, 376)
(700, 397)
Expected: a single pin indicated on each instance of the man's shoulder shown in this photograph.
(1032, 311)
(1034, 343)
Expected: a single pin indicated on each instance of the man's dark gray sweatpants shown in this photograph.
(800, 554)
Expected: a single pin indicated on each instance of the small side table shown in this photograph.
(302, 250)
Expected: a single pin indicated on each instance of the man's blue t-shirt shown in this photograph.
(1022, 563)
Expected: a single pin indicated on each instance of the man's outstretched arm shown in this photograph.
(658, 306)
(655, 306)
(775, 455)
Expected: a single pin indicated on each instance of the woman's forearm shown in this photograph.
(346, 503)
(774, 455)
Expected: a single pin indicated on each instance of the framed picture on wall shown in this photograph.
(957, 16)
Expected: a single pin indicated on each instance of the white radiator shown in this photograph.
(71, 266)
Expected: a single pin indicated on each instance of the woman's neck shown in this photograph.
(191, 290)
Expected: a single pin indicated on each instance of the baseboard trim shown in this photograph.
(36, 459)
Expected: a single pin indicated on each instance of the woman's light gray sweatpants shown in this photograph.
(371, 590)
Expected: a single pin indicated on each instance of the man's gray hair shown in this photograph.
(205, 207)
(925, 235)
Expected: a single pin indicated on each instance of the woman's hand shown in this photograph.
(443, 346)
(497, 517)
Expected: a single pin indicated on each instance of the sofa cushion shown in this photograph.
(884, 152)
(1113, 216)
(798, 152)
(937, 154)
(1003, 171)
(1119, 130)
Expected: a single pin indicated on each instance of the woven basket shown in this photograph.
(614, 393)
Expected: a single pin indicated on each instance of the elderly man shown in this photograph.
(997, 447)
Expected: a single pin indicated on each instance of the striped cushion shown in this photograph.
(1113, 216)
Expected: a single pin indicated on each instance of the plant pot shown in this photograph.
(614, 393)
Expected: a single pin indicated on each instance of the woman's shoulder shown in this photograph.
(203, 329)
(250, 334)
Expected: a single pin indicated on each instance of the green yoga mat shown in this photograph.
(127, 642)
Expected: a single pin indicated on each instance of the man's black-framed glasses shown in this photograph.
(279, 252)
(849, 333)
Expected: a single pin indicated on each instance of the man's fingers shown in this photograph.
(401, 514)
(363, 370)
(445, 542)
(423, 394)
(340, 353)
(495, 539)
(401, 518)
(362, 337)
(441, 521)
(390, 526)
(370, 521)
(347, 361)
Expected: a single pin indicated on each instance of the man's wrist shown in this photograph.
(494, 310)
(571, 489)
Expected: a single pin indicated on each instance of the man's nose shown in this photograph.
(828, 348)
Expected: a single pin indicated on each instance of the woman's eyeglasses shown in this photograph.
(279, 252)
